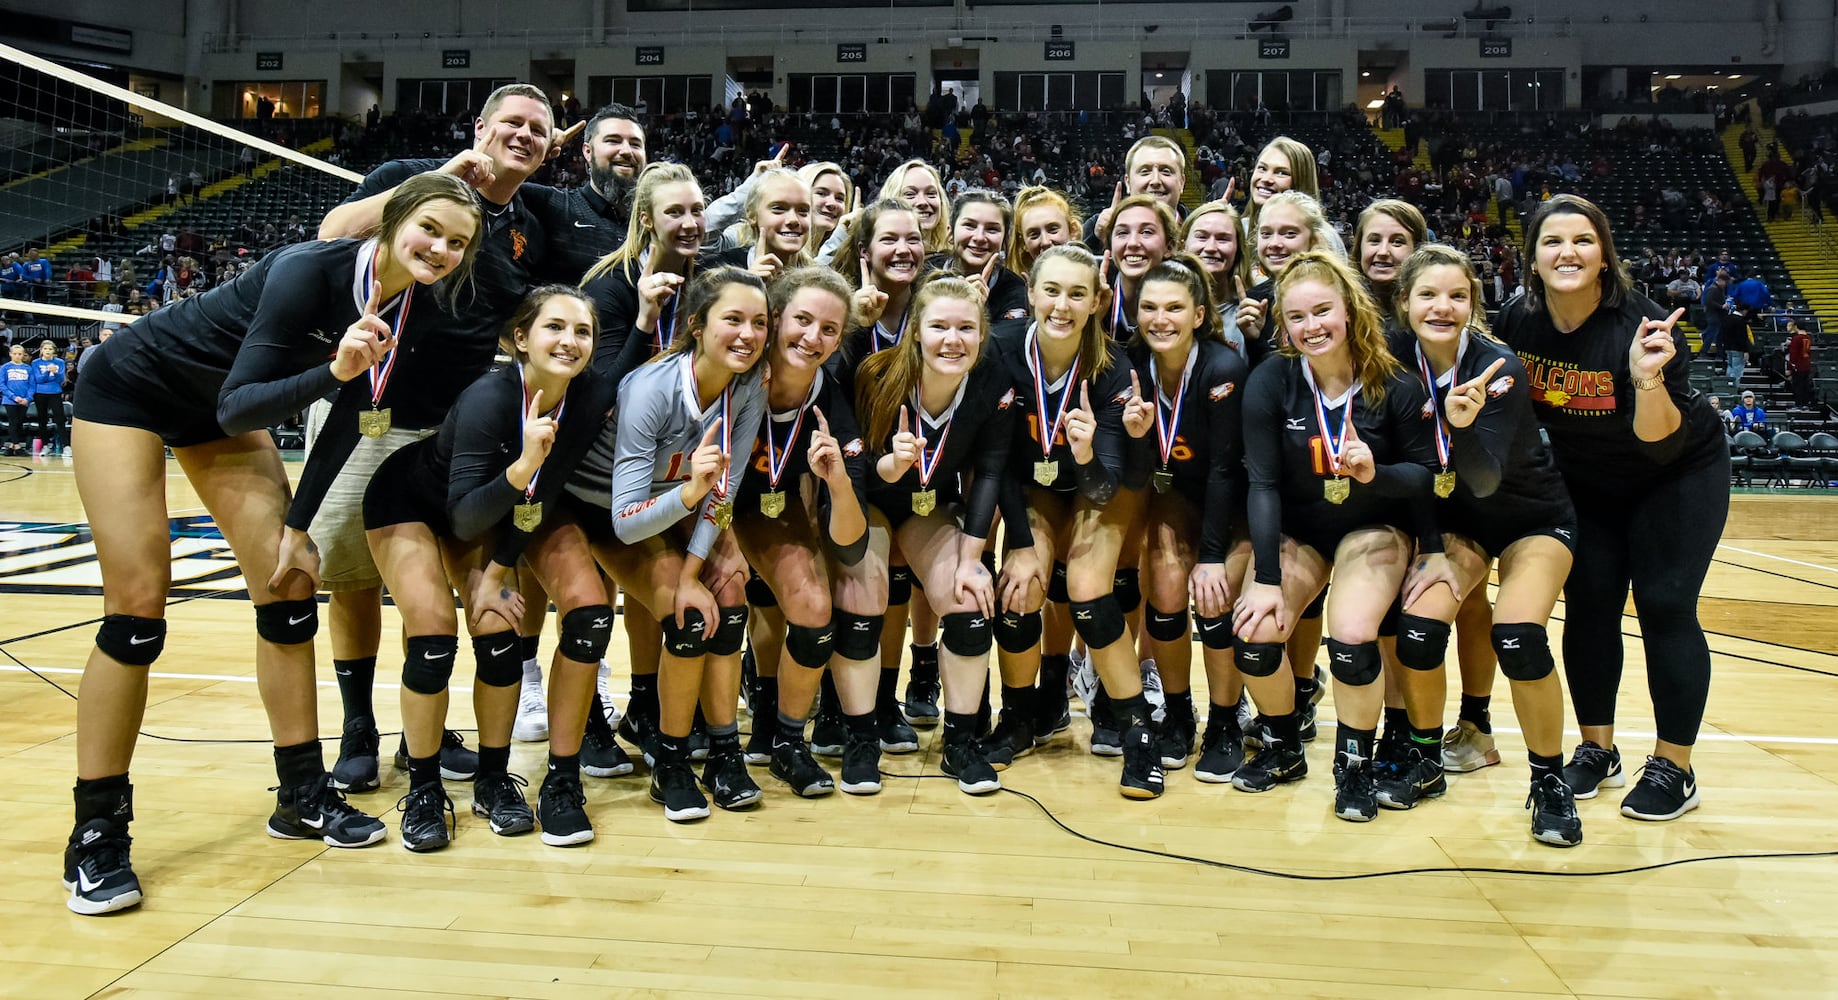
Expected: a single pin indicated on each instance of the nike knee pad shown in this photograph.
(1098, 622)
(1126, 587)
(499, 659)
(809, 645)
(1355, 663)
(858, 637)
(1215, 633)
(585, 633)
(899, 585)
(1164, 626)
(759, 595)
(429, 663)
(966, 633)
(136, 642)
(288, 623)
(1524, 650)
(1257, 659)
(730, 633)
(688, 640)
(1017, 632)
(1422, 642)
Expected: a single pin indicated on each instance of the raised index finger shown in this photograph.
(1487, 376)
(901, 426)
(708, 437)
(1135, 387)
(1674, 318)
(536, 405)
(375, 299)
(1238, 283)
(1116, 196)
(866, 280)
(1085, 392)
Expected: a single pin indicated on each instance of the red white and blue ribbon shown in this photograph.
(1049, 431)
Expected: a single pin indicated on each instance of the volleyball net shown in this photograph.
(113, 198)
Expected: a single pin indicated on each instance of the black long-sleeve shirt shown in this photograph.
(829, 396)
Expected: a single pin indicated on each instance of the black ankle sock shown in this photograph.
(887, 687)
(960, 727)
(356, 678)
(528, 646)
(1018, 699)
(299, 764)
(1397, 720)
(643, 702)
(494, 760)
(559, 764)
(791, 730)
(1542, 765)
(110, 798)
(424, 770)
(1305, 689)
(1474, 709)
(1054, 667)
(1352, 742)
(672, 749)
(766, 694)
(1178, 701)
(1134, 711)
(724, 739)
(1285, 729)
(860, 725)
(925, 658)
(1428, 742)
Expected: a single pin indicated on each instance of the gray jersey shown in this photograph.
(637, 467)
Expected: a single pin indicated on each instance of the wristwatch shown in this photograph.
(1643, 384)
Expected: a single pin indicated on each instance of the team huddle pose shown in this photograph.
(773, 429)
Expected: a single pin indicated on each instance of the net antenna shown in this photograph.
(91, 171)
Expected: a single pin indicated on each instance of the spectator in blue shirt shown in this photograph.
(16, 393)
(1752, 294)
(1749, 416)
(48, 395)
(35, 272)
(1723, 265)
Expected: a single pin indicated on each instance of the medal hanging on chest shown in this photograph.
(527, 516)
(723, 510)
(1337, 488)
(1046, 471)
(772, 502)
(925, 500)
(1444, 483)
(1168, 424)
(375, 422)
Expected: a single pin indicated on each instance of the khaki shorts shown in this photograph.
(338, 528)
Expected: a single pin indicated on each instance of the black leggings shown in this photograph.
(16, 424)
(1661, 542)
(50, 418)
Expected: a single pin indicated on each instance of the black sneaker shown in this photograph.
(1052, 707)
(725, 776)
(793, 764)
(698, 738)
(920, 707)
(1306, 730)
(759, 742)
(317, 811)
(1592, 769)
(1404, 785)
(1174, 741)
(1355, 798)
(1389, 755)
(639, 731)
(749, 682)
(1274, 764)
(1106, 735)
(601, 754)
(673, 785)
(1221, 753)
(861, 765)
(1142, 769)
(356, 768)
(829, 732)
(498, 799)
(1554, 818)
(561, 805)
(896, 736)
(425, 814)
(1013, 737)
(1665, 791)
(457, 761)
(964, 761)
(96, 870)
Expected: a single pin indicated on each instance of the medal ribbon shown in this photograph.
(1442, 429)
(665, 337)
(929, 464)
(727, 438)
(1329, 443)
(529, 492)
(1049, 433)
(1168, 422)
(379, 372)
(898, 332)
(777, 460)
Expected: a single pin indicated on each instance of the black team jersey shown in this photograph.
(1205, 462)
(790, 433)
(1114, 452)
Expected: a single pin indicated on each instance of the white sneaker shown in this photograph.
(1152, 689)
(1084, 679)
(605, 687)
(532, 725)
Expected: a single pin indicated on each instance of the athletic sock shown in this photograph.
(356, 678)
(1474, 709)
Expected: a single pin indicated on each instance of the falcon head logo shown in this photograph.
(1222, 391)
(1007, 400)
(853, 448)
(1499, 386)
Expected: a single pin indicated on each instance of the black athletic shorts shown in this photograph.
(399, 493)
(121, 395)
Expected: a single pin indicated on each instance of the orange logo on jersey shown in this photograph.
(518, 243)
(853, 448)
(1222, 391)
(1565, 387)
(1500, 386)
(1007, 400)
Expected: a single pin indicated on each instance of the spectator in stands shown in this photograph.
(10, 284)
(1799, 363)
(1683, 290)
(1723, 414)
(48, 376)
(81, 282)
(16, 393)
(1749, 416)
(1155, 166)
(1752, 294)
(35, 275)
(1737, 340)
(1715, 302)
(1723, 263)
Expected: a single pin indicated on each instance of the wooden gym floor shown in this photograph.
(921, 890)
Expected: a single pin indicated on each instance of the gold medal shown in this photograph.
(1046, 471)
(1337, 490)
(924, 502)
(724, 514)
(526, 516)
(1445, 484)
(772, 504)
(373, 423)
(1162, 480)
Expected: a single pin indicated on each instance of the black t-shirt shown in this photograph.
(581, 226)
(1287, 466)
(622, 347)
(1207, 456)
(1582, 395)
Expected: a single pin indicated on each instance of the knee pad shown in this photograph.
(1394, 615)
(1017, 632)
(1056, 585)
(1098, 622)
(429, 663)
(687, 641)
(1126, 587)
(1165, 626)
(966, 633)
(1422, 642)
(1355, 663)
(1524, 650)
(1257, 659)
(288, 623)
(136, 642)
(899, 585)
(810, 646)
(498, 658)
(759, 595)
(1215, 633)
(585, 633)
(1317, 607)
(730, 633)
(858, 637)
